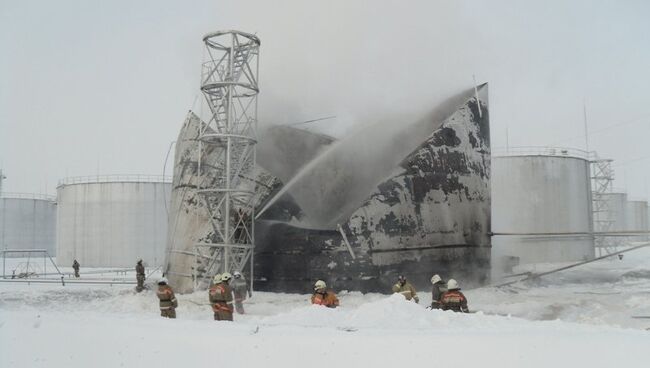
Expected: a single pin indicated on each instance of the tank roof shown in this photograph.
(97, 179)
(542, 151)
(43, 197)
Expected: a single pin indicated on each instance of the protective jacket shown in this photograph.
(239, 288)
(139, 276)
(139, 269)
(327, 298)
(167, 298)
(454, 300)
(220, 296)
(436, 293)
(75, 266)
(407, 290)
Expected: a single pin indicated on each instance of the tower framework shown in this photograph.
(602, 177)
(229, 83)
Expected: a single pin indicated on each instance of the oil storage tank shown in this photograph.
(27, 221)
(617, 211)
(112, 221)
(637, 217)
(541, 206)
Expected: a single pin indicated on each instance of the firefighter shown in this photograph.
(453, 299)
(75, 267)
(324, 296)
(240, 289)
(437, 290)
(405, 288)
(168, 302)
(220, 295)
(139, 276)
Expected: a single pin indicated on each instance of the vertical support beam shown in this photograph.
(252, 275)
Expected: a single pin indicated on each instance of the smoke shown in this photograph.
(380, 67)
(360, 61)
(283, 150)
(335, 183)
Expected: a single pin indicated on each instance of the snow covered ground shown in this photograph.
(580, 317)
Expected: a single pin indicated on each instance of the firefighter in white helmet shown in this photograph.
(240, 289)
(324, 296)
(168, 302)
(453, 299)
(220, 295)
(438, 288)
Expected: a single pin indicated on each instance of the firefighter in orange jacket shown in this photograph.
(220, 295)
(453, 299)
(168, 302)
(324, 296)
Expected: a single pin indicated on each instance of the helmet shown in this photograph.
(435, 278)
(216, 279)
(226, 276)
(320, 284)
(452, 285)
(236, 274)
(162, 281)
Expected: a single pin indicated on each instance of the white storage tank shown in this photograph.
(617, 211)
(112, 221)
(637, 216)
(27, 221)
(542, 197)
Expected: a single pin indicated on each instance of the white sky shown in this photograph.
(90, 86)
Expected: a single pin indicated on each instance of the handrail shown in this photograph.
(117, 178)
(543, 151)
(13, 195)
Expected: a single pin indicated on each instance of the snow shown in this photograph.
(580, 317)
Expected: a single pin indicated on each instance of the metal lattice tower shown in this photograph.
(602, 177)
(229, 83)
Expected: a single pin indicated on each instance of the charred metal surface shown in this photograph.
(432, 215)
(428, 213)
(307, 255)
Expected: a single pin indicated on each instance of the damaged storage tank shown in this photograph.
(541, 206)
(408, 199)
(112, 221)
